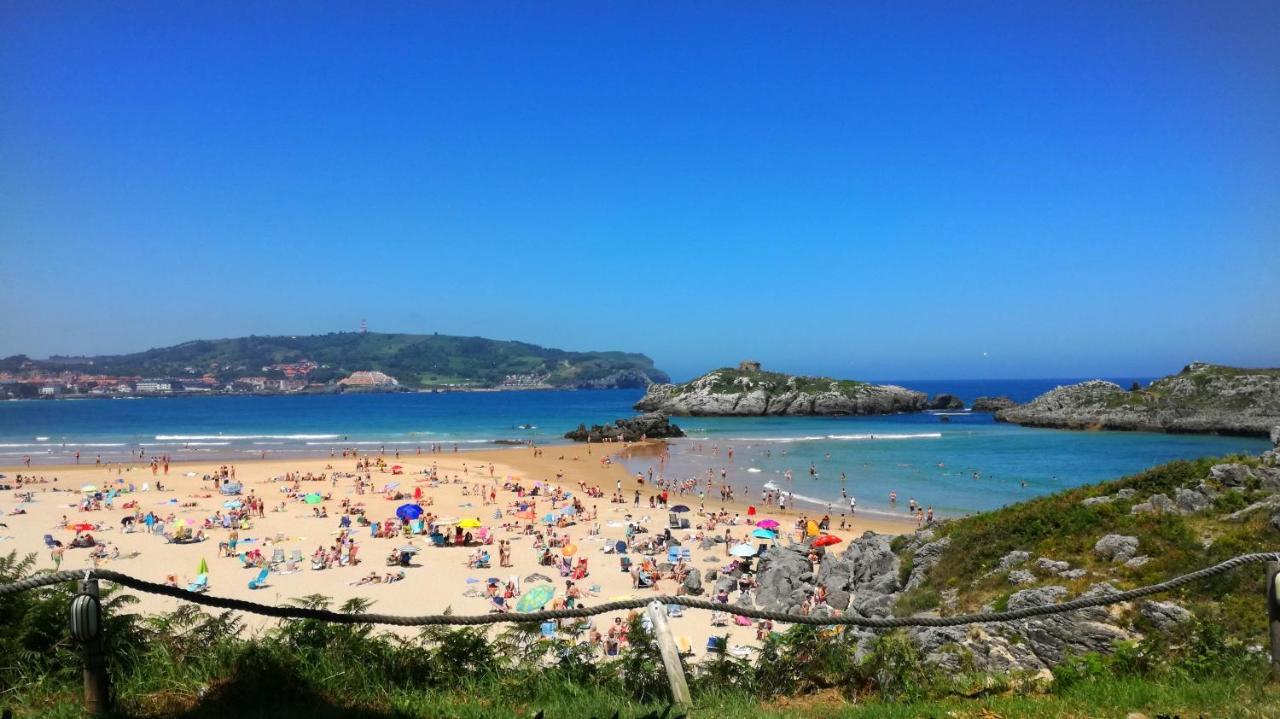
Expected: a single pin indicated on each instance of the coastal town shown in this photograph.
(30, 382)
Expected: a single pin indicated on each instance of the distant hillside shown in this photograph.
(415, 360)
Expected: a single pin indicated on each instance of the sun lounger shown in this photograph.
(296, 557)
(201, 584)
(50, 542)
(277, 557)
(685, 646)
(261, 580)
(548, 630)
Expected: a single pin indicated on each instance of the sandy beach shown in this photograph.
(438, 578)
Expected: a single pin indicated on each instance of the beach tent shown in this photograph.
(812, 528)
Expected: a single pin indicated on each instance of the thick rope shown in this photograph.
(286, 612)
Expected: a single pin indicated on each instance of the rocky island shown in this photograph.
(1202, 398)
(749, 390)
(653, 425)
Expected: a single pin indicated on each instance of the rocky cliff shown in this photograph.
(748, 390)
(1202, 398)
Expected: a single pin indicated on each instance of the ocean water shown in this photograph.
(965, 464)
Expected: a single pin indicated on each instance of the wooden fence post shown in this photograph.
(670, 655)
(1273, 614)
(86, 627)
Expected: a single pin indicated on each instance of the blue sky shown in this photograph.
(875, 190)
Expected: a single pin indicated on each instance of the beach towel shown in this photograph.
(259, 581)
(200, 584)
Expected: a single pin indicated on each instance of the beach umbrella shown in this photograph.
(409, 512)
(82, 527)
(743, 550)
(549, 518)
(568, 511)
(390, 486)
(524, 515)
(763, 534)
(569, 550)
(313, 498)
(767, 524)
(469, 523)
(409, 549)
(203, 568)
(535, 598)
(620, 547)
(89, 489)
(826, 540)
(680, 508)
(397, 467)
(233, 504)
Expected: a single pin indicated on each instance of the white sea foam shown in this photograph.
(100, 444)
(190, 437)
(838, 437)
(753, 470)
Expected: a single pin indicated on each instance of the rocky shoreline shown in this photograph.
(1202, 399)
(876, 572)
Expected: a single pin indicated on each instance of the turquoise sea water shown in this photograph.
(917, 455)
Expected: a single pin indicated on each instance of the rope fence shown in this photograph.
(325, 615)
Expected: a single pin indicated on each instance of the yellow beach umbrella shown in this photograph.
(469, 523)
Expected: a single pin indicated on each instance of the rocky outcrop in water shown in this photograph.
(992, 404)
(946, 401)
(750, 391)
(653, 425)
(1201, 398)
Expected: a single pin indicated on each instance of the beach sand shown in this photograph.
(440, 577)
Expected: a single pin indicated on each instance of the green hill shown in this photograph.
(413, 359)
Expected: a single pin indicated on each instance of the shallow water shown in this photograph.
(918, 455)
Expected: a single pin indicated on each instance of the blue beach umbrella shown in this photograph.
(743, 550)
(763, 534)
(568, 511)
(409, 512)
(549, 518)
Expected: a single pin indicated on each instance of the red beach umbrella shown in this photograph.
(82, 527)
(826, 540)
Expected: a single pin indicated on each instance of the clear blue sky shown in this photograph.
(867, 190)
